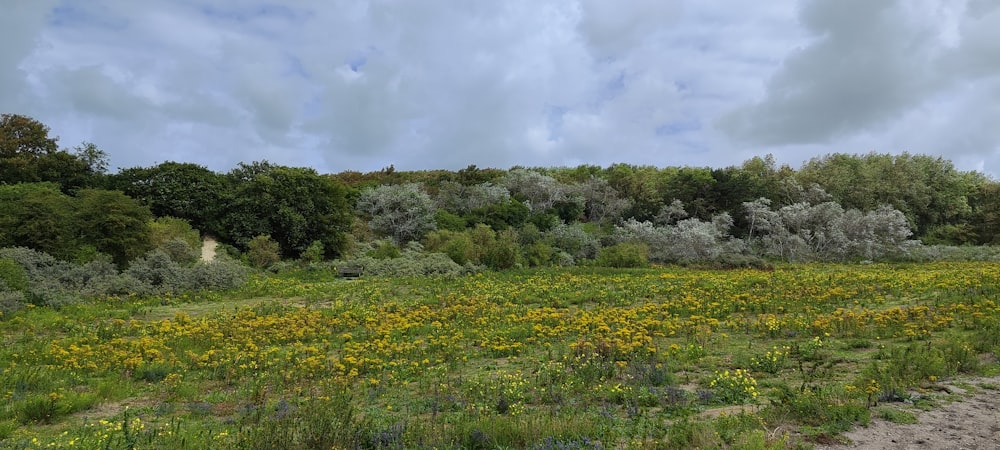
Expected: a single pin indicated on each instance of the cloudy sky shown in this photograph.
(426, 84)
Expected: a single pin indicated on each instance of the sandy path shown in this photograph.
(970, 423)
(208, 248)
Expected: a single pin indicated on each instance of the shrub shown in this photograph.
(180, 251)
(158, 271)
(262, 252)
(50, 282)
(385, 250)
(10, 302)
(314, 253)
(626, 254)
(223, 273)
(504, 252)
(165, 229)
(739, 261)
(410, 264)
(12, 276)
(403, 212)
(448, 221)
(34, 263)
(735, 387)
(461, 250)
(87, 253)
(574, 240)
(538, 254)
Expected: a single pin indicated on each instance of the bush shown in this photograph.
(262, 252)
(574, 240)
(314, 253)
(34, 263)
(410, 264)
(538, 254)
(385, 250)
(10, 302)
(180, 251)
(504, 252)
(626, 254)
(927, 253)
(12, 276)
(223, 273)
(448, 221)
(46, 276)
(159, 272)
(739, 261)
(458, 246)
(165, 229)
(54, 283)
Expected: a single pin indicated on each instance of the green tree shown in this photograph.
(403, 212)
(504, 252)
(165, 229)
(38, 216)
(28, 154)
(457, 245)
(641, 185)
(114, 223)
(928, 190)
(22, 136)
(511, 213)
(295, 206)
(986, 218)
(693, 186)
(182, 190)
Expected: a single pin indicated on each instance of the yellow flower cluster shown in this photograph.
(734, 387)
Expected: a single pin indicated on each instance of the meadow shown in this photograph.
(569, 358)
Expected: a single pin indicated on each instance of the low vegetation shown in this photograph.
(753, 306)
(568, 358)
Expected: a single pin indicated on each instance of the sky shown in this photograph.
(361, 85)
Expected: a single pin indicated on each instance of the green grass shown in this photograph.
(574, 358)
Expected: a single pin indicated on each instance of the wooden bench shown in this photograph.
(350, 272)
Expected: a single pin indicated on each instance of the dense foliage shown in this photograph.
(105, 300)
(835, 208)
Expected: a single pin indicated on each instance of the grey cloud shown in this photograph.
(978, 50)
(345, 84)
(92, 90)
(612, 28)
(22, 23)
(865, 67)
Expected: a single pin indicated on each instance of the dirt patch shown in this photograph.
(196, 309)
(208, 245)
(972, 422)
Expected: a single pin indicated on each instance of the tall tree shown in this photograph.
(28, 154)
(183, 190)
(986, 217)
(114, 223)
(641, 186)
(38, 216)
(295, 206)
(403, 212)
(24, 136)
(928, 190)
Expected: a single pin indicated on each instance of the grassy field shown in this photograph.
(546, 359)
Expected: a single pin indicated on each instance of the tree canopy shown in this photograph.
(63, 202)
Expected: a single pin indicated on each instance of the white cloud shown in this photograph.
(887, 77)
(359, 85)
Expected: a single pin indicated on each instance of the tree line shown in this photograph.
(64, 202)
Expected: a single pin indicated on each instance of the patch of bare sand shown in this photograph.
(208, 245)
(972, 422)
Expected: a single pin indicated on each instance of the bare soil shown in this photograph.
(208, 249)
(972, 421)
